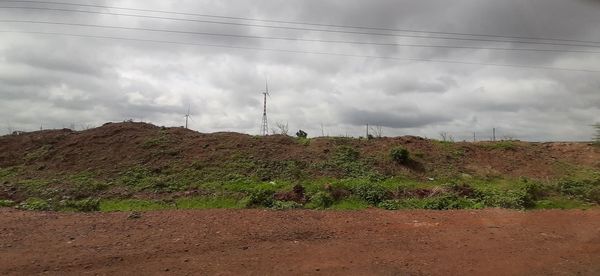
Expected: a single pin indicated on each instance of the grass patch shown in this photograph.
(561, 203)
(158, 141)
(450, 148)
(501, 145)
(351, 203)
(6, 173)
(38, 153)
(85, 205)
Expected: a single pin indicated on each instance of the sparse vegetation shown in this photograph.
(85, 205)
(6, 203)
(320, 200)
(372, 193)
(501, 145)
(285, 205)
(34, 204)
(339, 173)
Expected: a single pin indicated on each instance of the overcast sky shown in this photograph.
(58, 81)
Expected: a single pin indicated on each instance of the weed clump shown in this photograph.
(370, 192)
(400, 154)
(259, 198)
(320, 200)
(34, 204)
(585, 189)
(85, 205)
(285, 205)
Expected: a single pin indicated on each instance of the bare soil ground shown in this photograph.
(261, 242)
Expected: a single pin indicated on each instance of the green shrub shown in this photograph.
(34, 204)
(370, 192)
(399, 154)
(593, 194)
(511, 199)
(285, 205)
(320, 200)
(259, 198)
(587, 189)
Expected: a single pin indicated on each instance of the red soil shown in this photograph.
(260, 242)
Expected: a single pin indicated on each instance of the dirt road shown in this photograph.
(261, 242)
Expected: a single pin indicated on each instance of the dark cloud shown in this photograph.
(60, 80)
(401, 119)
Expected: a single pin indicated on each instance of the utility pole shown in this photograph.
(494, 135)
(265, 123)
(474, 138)
(367, 132)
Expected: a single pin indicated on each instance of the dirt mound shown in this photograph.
(114, 147)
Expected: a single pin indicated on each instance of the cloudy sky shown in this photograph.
(51, 79)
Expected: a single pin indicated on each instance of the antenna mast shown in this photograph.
(265, 124)
(187, 117)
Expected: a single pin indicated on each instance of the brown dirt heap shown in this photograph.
(113, 147)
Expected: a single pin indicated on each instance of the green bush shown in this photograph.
(593, 194)
(320, 200)
(588, 189)
(511, 199)
(400, 154)
(34, 204)
(370, 192)
(259, 198)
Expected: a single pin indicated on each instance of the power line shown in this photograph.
(307, 29)
(311, 52)
(302, 22)
(300, 39)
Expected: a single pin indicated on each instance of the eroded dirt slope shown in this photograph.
(114, 147)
